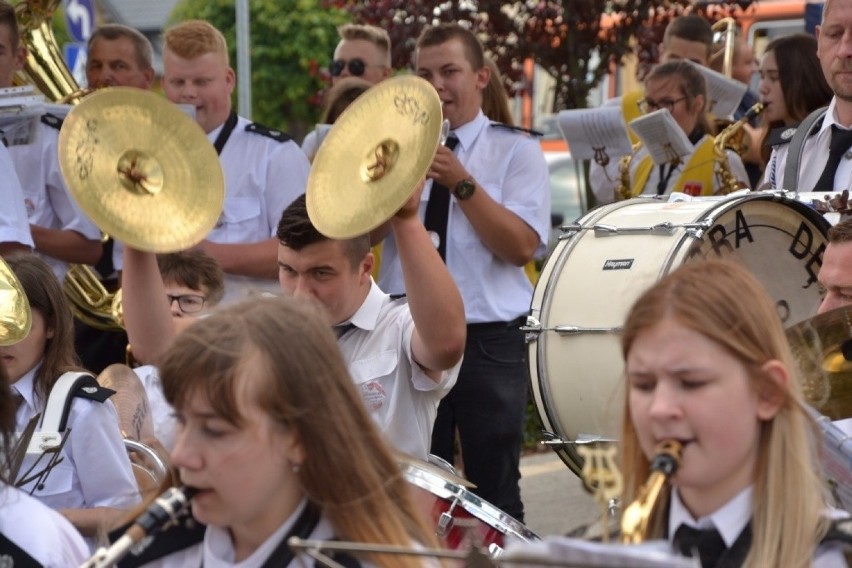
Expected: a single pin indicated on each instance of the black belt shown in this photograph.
(497, 325)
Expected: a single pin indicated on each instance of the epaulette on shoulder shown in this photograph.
(89, 388)
(783, 134)
(517, 129)
(51, 120)
(278, 135)
(399, 298)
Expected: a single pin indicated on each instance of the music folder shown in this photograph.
(20, 113)
(661, 135)
(595, 133)
(565, 551)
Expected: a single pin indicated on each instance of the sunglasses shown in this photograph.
(356, 67)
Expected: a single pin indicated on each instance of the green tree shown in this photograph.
(291, 41)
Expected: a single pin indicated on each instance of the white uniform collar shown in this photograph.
(219, 550)
(729, 520)
(367, 316)
(25, 386)
(469, 132)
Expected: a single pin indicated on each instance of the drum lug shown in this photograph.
(445, 521)
(532, 329)
(568, 231)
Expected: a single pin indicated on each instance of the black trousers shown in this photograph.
(487, 406)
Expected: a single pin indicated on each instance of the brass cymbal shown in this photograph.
(141, 169)
(822, 346)
(373, 157)
(15, 316)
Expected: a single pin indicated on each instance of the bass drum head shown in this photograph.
(614, 253)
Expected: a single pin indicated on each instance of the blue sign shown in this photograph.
(76, 55)
(79, 18)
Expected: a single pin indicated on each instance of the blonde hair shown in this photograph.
(726, 304)
(495, 99)
(194, 38)
(348, 470)
(375, 35)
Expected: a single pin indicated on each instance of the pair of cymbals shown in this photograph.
(374, 156)
(822, 346)
(141, 169)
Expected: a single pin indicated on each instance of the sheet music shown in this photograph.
(20, 112)
(591, 131)
(564, 551)
(662, 136)
(723, 94)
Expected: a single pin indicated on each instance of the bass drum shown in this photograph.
(611, 255)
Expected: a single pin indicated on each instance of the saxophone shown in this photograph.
(623, 189)
(733, 138)
(636, 517)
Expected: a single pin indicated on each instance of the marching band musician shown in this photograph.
(835, 273)
(403, 354)
(264, 169)
(488, 213)
(278, 444)
(825, 163)
(60, 231)
(679, 87)
(92, 482)
(31, 533)
(708, 365)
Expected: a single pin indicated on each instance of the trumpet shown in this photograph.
(166, 508)
(636, 518)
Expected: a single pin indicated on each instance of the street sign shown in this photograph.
(76, 55)
(79, 18)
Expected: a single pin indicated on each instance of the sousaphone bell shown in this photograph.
(374, 156)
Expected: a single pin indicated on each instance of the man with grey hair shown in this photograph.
(825, 163)
(119, 56)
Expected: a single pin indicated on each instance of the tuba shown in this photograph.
(45, 69)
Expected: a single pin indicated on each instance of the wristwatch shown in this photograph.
(464, 189)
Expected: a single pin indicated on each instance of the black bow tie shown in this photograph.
(706, 543)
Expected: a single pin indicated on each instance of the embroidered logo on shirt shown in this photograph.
(373, 394)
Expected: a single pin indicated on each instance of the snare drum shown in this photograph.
(461, 518)
(613, 254)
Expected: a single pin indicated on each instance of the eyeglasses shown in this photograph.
(188, 303)
(650, 105)
(356, 67)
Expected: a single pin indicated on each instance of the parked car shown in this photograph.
(567, 192)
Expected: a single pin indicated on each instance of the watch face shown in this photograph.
(464, 189)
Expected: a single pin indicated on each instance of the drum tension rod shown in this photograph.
(533, 329)
(665, 229)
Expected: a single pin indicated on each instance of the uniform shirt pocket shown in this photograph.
(240, 220)
(373, 377)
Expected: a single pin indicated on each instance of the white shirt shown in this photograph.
(732, 518)
(46, 198)
(262, 177)
(41, 532)
(14, 227)
(510, 166)
(605, 181)
(95, 470)
(814, 157)
(217, 549)
(398, 394)
(162, 413)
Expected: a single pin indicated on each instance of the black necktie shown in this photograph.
(841, 140)
(707, 543)
(343, 328)
(438, 208)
